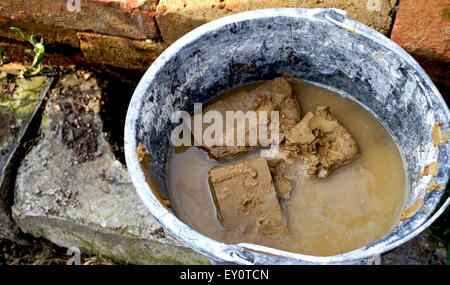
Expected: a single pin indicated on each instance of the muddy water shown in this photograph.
(354, 206)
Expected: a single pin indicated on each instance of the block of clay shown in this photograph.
(322, 140)
(275, 95)
(278, 168)
(246, 199)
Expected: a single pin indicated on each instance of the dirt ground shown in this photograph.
(8, 128)
(4, 122)
(77, 127)
(33, 251)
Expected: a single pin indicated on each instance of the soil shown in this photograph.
(32, 251)
(408, 213)
(76, 126)
(440, 136)
(38, 251)
(431, 168)
(144, 160)
(8, 86)
(8, 128)
(116, 97)
(4, 122)
(79, 130)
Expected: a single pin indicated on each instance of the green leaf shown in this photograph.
(28, 38)
(96, 257)
(448, 255)
(437, 238)
(37, 53)
(2, 56)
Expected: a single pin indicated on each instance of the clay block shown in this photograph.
(246, 198)
(275, 95)
(278, 168)
(323, 141)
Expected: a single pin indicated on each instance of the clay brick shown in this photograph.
(51, 34)
(177, 17)
(422, 27)
(246, 198)
(126, 18)
(56, 55)
(118, 51)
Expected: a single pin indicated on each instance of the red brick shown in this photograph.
(118, 51)
(51, 34)
(422, 27)
(57, 55)
(125, 18)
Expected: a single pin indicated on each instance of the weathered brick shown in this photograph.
(51, 34)
(422, 27)
(126, 18)
(177, 17)
(56, 55)
(118, 51)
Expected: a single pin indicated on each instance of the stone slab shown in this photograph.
(20, 99)
(77, 195)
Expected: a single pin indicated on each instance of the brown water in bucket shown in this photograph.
(355, 205)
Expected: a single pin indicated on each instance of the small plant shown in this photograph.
(37, 53)
(2, 56)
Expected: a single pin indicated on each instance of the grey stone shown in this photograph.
(20, 98)
(87, 203)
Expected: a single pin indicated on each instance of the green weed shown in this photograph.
(37, 53)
